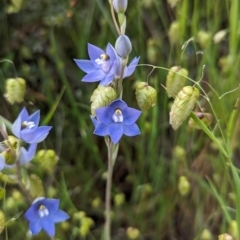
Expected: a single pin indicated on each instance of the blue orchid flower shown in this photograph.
(43, 214)
(104, 66)
(115, 120)
(26, 127)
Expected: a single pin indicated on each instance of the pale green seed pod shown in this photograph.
(206, 118)
(183, 105)
(10, 152)
(34, 185)
(133, 233)
(174, 32)
(176, 80)
(206, 235)
(2, 221)
(101, 97)
(233, 229)
(225, 236)
(184, 186)
(47, 159)
(145, 95)
(204, 38)
(119, 199)
(15, 90)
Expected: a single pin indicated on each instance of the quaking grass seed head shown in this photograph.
(145, 95)
(176, 80)
(102, 96)
(183, 105)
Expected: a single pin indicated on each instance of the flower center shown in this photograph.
(43, 211)
(117, 116)
(103, 61)
(28, 125)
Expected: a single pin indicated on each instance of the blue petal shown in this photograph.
(32, 213)
(94, 52)
(120, 104)
(51, 204)
(60, 216)
(116, 132)
(35, 227)
(35, 136)
(2, 162)
(95, 76)
(101, 130)
(94, 120)
(131, 130)
(86, 65)
(27, 155)
(16, 127)
(107, 80)
(104, 114)
(35, 117)
(47, 224)
(130, 115)
(131, 68)
(110, 51)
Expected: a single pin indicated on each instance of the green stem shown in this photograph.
(112, 154)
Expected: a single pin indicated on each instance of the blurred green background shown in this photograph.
(42, 37)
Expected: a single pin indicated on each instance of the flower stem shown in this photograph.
(112, 154)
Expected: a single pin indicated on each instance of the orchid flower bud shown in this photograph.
(123, 46)
(120, 6)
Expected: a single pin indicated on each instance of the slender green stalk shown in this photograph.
(112, 154)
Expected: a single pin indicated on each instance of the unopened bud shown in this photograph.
(101, 97)
(183, 185)
(133, 233)
(206, 118)
(120, 6)
(176, 80)
(123, 46)
(15, 90)
(145, 95)
(183, 105)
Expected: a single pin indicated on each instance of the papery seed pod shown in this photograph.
(47, 159)
(2, 221)
(9, 153)
(206, 118)
(2, 193)
(203, 38)
(174, 32)
(225, 236)
(15, 90)
(183, 185)
(206, 235)
(101, 97)
(119, 199)
(34, 185)
(133, 233)
(183, 105)
(145, 95)
(176, 80)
